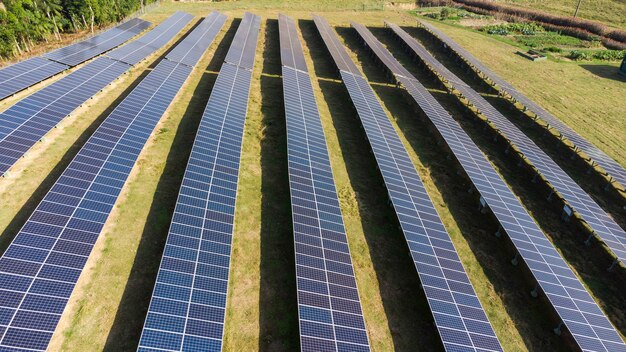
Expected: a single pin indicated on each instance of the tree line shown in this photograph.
(25, 23)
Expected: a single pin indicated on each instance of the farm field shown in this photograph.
(605, 11)
(108, 308)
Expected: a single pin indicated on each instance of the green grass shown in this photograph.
(610, 12)
(106, 311)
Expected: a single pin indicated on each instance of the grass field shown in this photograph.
(610, 12)
(107, 310)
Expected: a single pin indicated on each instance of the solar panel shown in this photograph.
(26, 73)
(80, 52)
(459, 316)
(612, 167)
(191, 50)
(580, 314)
(602, 224)
(26, 122)
(291, 54)
(187, 309)
(242, 54)
(40, 268)
(329, 307)
(139, 49)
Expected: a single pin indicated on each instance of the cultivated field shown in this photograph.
(107, 310)
(610, 12)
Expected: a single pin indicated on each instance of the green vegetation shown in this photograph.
(529, 28)
(602, 55)
(25, 23)
(449, 13)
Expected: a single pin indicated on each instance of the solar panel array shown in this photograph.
(582, 316)
(26, 73)
(77, 53)
(329, 308)
(602, 224)
(188, 304)
(139, 49)
(26, 122)
(612, 167)
(40, 268)
(459, 316)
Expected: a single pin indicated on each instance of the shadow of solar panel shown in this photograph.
(26, 122)
(244, 48)
(77, 53)
(612, 167)
(188, 304)
(329, 306)
(459, 316)
(26, 73)
(591, 329)
(602, 224)
(41, 266)
(138, 49)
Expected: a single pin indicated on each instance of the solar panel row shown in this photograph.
(459, 316)
(581, 315)
(26, 122)
(329, 307)
(612, 167)
(139, 49)
(602, 224)
(75, 54)
(187, 309)
(26, 73)
(41, 266)
(244, 43)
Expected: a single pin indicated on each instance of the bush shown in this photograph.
(578, 55)
(602, 55)
(553, 49)
(529, 28)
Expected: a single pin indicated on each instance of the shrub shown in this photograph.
(578, 55)
(553, 49)
(602, 55)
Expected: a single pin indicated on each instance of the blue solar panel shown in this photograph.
(26, 122)
(602, 224)
(242, 54)
(139, 49)
(188, 304)
(77, 53)
(459, 316)
(26, 73)
(190, 51)
(40, 268)
(330, 314)
(612, 167)
(581, 315)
